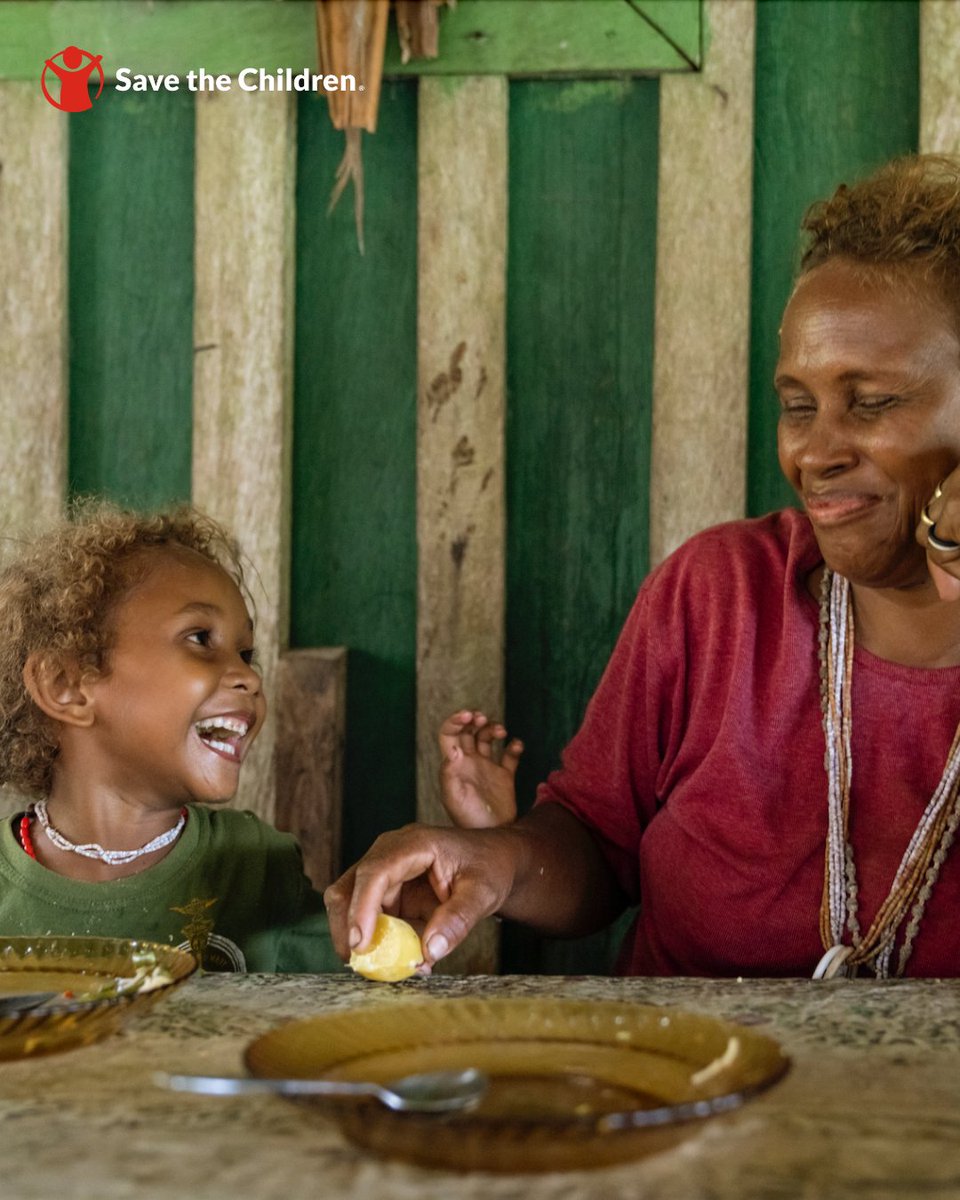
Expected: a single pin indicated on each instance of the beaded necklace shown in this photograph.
(94, 849)
(25, 840)
(928, 847)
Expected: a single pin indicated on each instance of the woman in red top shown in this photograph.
(770, 765)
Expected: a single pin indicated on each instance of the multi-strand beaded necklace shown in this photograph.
(928, 847)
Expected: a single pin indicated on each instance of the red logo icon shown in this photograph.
(74, 68)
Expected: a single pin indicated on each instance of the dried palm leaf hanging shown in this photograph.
(351, 36)
(418, 26)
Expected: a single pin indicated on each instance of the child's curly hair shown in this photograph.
(56, 599)
(906, 213)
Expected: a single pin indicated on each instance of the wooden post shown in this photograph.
(701, 368)
(33, 330)
(940, 76)
(460, 482)
(243, 326)
(311, 724)
(33, 326)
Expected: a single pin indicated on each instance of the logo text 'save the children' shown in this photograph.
(68, 77)
(250, 79)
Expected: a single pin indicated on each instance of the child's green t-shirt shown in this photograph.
(232, 890)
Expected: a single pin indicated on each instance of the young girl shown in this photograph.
(129, 699)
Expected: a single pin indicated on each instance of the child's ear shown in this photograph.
(60, 688)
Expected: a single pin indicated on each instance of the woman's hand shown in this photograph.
(477, 788)
(446, 877)
(943, 510)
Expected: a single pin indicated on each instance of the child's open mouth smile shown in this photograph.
(226, 734)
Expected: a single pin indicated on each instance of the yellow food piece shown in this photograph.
(394, 954)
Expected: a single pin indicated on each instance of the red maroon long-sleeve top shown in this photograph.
(699, 764)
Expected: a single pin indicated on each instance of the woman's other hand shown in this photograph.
(941, 518)
(477, 784)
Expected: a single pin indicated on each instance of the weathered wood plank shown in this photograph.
(701, 374)
(460, 510)
(460, 479)
(33, 298)
(310, 700)
(940, 76)
(33, 329)
(477, 37)
(243, 329)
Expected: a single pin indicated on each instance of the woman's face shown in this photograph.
(869, 387)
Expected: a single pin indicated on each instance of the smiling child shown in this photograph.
(129, 699)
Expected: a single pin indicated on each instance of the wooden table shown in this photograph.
(870, 1109)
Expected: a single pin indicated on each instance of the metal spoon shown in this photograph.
(14, 1002)
(433, 1092)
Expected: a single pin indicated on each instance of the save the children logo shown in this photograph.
(73, 68)
(69, 73)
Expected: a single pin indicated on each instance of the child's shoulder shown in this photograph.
(240, 827)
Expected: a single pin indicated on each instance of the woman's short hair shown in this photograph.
(58, 593)
(906, 213)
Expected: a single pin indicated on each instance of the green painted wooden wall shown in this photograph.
(836, 91)
(354, 572)
(581, 265)
(131, 298)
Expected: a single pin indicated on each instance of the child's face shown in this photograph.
(179, 704)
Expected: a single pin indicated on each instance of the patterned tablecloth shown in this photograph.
(871, 1107)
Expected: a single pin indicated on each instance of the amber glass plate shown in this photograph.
(573, 1083)
(81, 966)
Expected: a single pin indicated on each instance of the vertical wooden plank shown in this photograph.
(581, 264)
(33, 347)
(33, 331)
(940, 76)
(460, 437)
(836, 95)
(131, 297)
(311, 717)
(701, 372)
(354, 573)
(461, 311)
(243, 329)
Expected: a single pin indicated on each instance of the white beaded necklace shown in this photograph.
(931, 840)
(95, 850)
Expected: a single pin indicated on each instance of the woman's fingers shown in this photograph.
(336, 898)
(468, 879)
(470, 901)
(373, 885)
(939, 534)
(392, 861)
